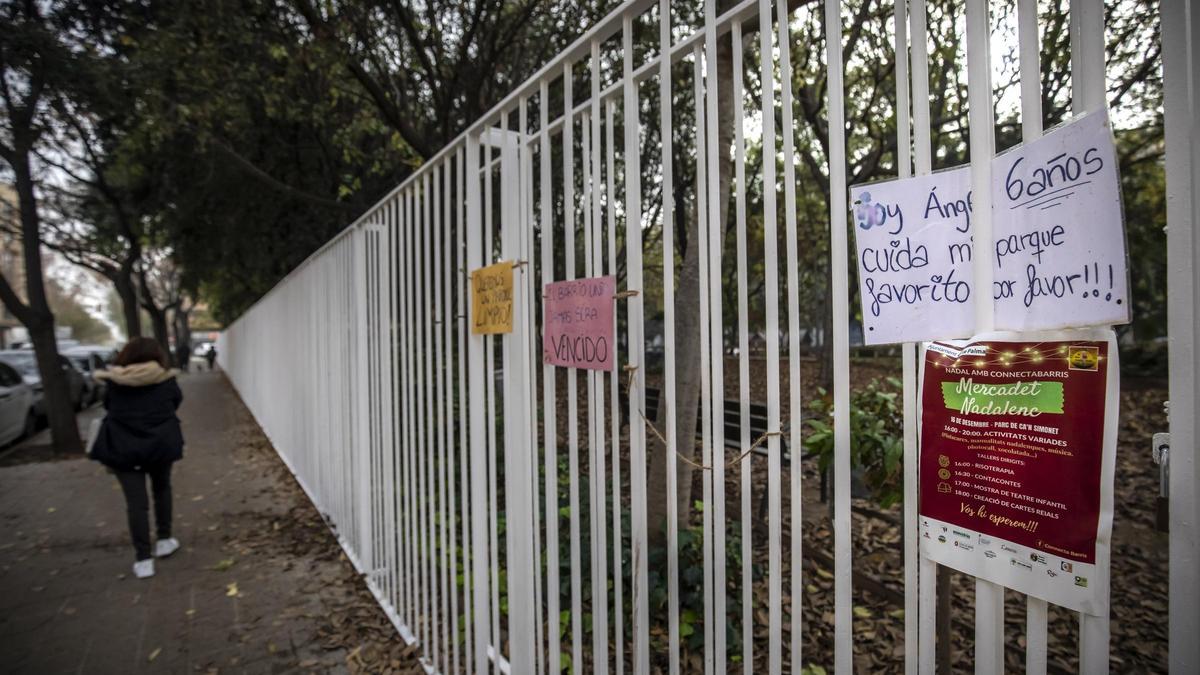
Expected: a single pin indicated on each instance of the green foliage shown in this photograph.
(876, 444)
(691, 587)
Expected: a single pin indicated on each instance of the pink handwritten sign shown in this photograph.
(578, 325)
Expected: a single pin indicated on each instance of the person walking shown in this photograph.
(141, 437)
(211, 355)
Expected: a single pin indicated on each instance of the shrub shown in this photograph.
(876, 437)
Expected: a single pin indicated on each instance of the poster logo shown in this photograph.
(1083, 358)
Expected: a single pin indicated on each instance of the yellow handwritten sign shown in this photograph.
(491, 299)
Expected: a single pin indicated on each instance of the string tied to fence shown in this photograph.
(625, 294)
(632, 370)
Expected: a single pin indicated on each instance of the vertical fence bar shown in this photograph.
(1181, 90)
(589, 196)
(637, 394)
(843, 636)
(462, 333)
(533, 356)
(518, 454)
(771, 284)
(477, 416)
(361, 442)
(568, 177)
(615, 398)
(414, 452)
(429, 434)
(418, 416)
(668, 424)
(440, 321)
(1088, 94)
(493, 453)
(549, 400)
(403, 413)
(1087, 55)
(989, 597)
(923, 163)
(716, 345)
(596, 403)
(739, 155)
(908, 364)
(1036, 610)
(795, 409)
(448, 320)
(702, 195)
(393, 529)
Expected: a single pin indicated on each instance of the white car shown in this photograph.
(17, 416)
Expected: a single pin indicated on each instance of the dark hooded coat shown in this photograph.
(140, 428)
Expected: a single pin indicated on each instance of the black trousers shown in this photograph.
(137, 504)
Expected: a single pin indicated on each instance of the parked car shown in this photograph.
(17, 416)
(106, 354)
(88, 362)
(25, 363)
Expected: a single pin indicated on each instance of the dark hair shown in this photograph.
(141, 350)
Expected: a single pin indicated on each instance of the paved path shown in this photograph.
(259, 586)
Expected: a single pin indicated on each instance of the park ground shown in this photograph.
(260, 585)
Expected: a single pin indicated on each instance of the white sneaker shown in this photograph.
(165, 547)
(144, 569)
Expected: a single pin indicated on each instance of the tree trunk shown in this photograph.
(36, 315)
(158, 315)
(183, 338)
(127, 292)
(60, 409)
(158, 322)
(688, 362)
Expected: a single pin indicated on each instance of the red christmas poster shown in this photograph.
(1017, 451)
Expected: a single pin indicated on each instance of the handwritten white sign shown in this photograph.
(1058, 243)
(914, 257)
(1060, 256)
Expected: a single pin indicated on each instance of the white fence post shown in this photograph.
(1181, 89)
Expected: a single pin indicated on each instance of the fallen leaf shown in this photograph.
(231, 590)
(51, 510)
(154, 654)
(224, 565)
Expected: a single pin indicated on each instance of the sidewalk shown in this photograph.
(260, 586)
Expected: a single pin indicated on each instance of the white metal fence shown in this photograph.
(441, 458)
